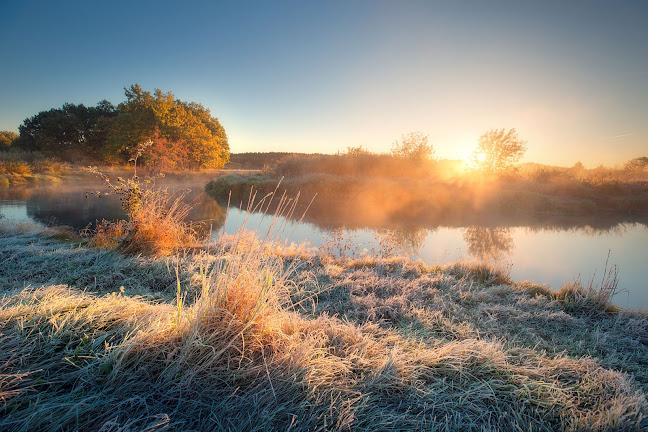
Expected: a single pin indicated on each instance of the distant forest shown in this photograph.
(182, 135)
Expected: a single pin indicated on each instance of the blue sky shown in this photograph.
(571, 77)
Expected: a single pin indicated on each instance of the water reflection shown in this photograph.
(406, 240)
(550, 249)
(488, 244)
(58, 205)
(206, 214)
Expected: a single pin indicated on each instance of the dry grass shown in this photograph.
(252, 335)
(378, 202)
(26, 163)
(17, 168)
(106, 234)
(155, 224)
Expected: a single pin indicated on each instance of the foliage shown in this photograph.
(185, 134)
(356, 151)
(414, 146)
(155, 218)
(637, 164)
(15, 167)
(497, 150)
(70, 131)
(360, 164)
(257, 160)
(6, 138)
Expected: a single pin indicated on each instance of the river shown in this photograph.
(550, 250)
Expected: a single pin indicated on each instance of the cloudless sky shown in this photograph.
(319, 76)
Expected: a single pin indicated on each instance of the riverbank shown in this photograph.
(381, 201)
(249, 335)
(19, 169)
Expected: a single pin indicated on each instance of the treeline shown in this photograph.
(183, 135)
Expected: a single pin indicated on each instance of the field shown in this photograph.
(141, 325)
(324, 216)
(245, 334)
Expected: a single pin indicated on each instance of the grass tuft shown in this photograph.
(250, 335)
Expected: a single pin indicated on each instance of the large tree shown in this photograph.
(497, 150)
(185, 133)
(71, 129)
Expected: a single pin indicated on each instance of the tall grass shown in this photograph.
(25, 163)
(361, 164)
(156, 218)
(276, 340)
(594, 297)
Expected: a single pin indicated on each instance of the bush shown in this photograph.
(155, 224)
(414, 146)
(354, 164)
(17, 168)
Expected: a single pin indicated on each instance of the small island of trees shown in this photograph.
(184, 134)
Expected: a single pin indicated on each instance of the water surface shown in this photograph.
(548, 250)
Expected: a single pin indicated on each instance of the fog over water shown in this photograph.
(551, 250)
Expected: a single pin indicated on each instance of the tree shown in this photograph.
(69, 129)
(414, 146)
(6, 138)
(637, 164)
(497, 150)
(357, 151)
(185, 133)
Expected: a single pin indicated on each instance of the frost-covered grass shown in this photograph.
(249, 335)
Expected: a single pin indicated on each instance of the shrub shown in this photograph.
(51, 166)
(583, 300)
(19, 168)
(414, 146)
(106, 234)
(155, 224)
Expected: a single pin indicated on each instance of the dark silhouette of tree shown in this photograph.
(70, 129)
(414, 146)
(637, 164)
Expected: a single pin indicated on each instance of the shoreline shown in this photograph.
(325, 342)
(354, 200)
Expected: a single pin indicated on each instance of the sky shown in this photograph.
(320, 76)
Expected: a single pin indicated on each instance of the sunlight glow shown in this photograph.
(477, 159)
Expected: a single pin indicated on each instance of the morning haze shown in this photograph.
(324, 216)
(318, 77)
